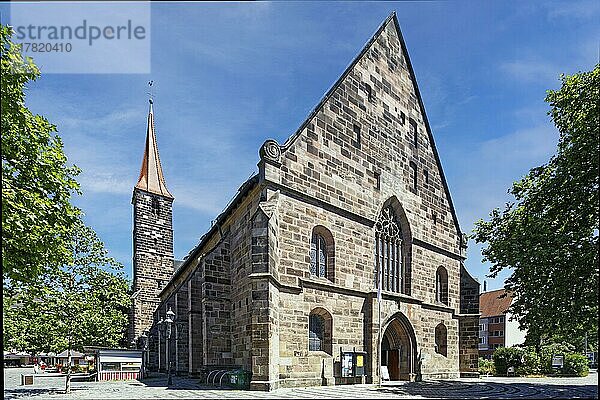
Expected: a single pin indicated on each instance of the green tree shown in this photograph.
(548, 237)
(61, 289)
(37, 182)
(84, 303)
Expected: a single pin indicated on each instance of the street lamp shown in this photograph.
(160, 328)
(144, 343)
(169, 323)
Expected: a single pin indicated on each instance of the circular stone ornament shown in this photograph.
(270, 150)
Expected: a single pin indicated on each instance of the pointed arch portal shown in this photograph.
(399, 348)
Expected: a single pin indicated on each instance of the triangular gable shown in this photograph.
(391, 18)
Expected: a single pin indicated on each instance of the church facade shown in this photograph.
(340, 261)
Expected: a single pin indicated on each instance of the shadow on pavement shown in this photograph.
(453, 389)
(29, 392)
(179, 383)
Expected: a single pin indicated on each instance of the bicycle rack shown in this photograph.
(222, 376)
(219, 374)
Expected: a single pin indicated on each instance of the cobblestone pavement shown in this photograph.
(184, 388)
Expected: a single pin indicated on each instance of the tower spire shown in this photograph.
(151, 177)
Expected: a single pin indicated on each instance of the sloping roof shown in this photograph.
(151, 177)
(243, 190)
(490, 303)
(74, 354)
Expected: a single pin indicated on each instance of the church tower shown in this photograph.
(152, 236)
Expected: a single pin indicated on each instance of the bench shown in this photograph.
(28, 379)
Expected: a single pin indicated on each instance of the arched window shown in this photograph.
(441, 285)
(388, 252)
(320, 326)
(441, 340)
(316, 332)
(322, 253)
(318, 256)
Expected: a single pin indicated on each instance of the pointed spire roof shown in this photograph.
(151, 175)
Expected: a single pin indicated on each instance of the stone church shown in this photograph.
(339, 262)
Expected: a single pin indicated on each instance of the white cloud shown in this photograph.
(100, 124)
(489, 168)
(105, 182)
(583, 10)
(531, 71)
(521, 146)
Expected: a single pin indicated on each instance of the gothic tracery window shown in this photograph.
(388, 252)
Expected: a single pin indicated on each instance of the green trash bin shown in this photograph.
(245, 382)
(239, 379)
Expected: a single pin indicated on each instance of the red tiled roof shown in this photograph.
(491, 305)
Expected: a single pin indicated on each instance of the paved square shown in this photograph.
(154, 388)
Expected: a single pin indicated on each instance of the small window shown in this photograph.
(426, 176)
(369, 91)
(356, 140)
(110, 366)
(377, 176)
(413, 174)
(434, 217)
(413, 131)
(441, 346)
(441, 286)
(155, 206)
(402, 118)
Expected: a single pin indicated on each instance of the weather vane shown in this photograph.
(150, 84)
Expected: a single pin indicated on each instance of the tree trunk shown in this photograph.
(68, 381)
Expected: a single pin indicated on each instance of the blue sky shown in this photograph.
(230, 75)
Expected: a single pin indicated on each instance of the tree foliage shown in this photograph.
(548, 237)
(37, 182)
(84, 303)
(61, 289)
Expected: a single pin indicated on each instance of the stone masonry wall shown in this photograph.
(251, 292)
(152, 257)
(367, 143)
(345, 299)
(469, 324)
(216, 301)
